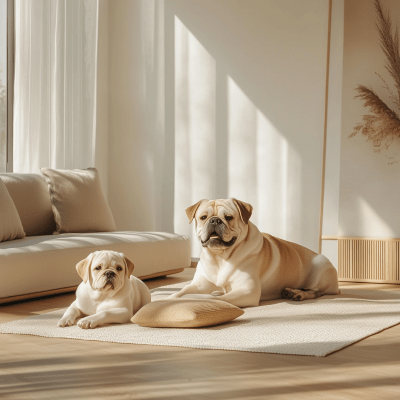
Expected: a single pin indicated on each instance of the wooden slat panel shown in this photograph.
(369, 260)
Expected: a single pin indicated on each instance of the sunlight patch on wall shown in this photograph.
(195, 125)
(367, 222)
(257, 162)
(263, 169)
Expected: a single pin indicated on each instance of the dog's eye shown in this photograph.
(119, 268)
(228, 217)
(203, 217)
(98, 268)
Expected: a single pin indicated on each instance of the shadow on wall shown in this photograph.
(215, 100)
(249, 113)
(229, 149)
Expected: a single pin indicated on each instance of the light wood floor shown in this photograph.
(45, 368)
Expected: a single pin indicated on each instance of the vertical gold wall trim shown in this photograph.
(321, 213)
(369, 260)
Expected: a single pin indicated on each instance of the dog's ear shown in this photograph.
(245, 210)
(191, 211)
(129, 266)
(83, 267)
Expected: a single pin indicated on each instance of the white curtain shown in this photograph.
(55, 84)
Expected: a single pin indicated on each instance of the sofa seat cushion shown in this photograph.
(41, 263)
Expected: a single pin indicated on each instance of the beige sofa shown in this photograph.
(43, 263)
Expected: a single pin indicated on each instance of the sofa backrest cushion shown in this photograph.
(10, 223)
(30, 195)
(78, 202)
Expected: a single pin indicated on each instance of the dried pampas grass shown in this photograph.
(383, 126)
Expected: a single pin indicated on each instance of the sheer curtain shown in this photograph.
(55, 84)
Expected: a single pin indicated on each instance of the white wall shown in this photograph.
(3, 85)
(102, 120)
(217, 99)
(369, 181)
(362, 188)
(330, 219)
(139, 179)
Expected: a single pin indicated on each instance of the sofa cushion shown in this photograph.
(78, 202)
(10, 223)
(43, 263)
(30, 195)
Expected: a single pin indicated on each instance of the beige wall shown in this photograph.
(102, 122)
(334, 128)
(217, 99)
(369, 182)
(137, 183)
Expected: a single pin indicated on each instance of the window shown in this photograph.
(6, 82)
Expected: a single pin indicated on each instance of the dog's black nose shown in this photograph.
(109, 274)
(215, 221)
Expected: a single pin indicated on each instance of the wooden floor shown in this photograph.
(45, 368)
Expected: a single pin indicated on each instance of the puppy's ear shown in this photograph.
(83, 267)
(191, 211)
(129, 266)
(245, 210)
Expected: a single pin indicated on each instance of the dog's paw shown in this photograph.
(217, 293)
(299, 296)
(63, 322)
(293, 294)
(88, 322)
(198, 296)
(287, 293)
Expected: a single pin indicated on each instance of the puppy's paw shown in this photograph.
(89, 322)
(65, 321)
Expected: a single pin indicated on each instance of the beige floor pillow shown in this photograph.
(10, 222)
(78, 202)
(186, 313)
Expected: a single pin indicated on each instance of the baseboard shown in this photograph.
(45, 293)
(70, 289)
(164, 273)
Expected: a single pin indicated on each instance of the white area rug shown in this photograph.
(313, 327)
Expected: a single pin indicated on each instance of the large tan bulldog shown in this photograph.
(242, 266)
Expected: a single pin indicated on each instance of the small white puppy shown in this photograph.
(108, 294)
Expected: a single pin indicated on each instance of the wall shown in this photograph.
(362, 188)
(217, 99)
(369, 181)
(138, 181)
(102, 121)
(330, 220)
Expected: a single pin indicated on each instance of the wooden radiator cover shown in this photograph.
(369, 260)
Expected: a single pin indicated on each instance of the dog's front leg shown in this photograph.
(200, 288)
(113, 316)
(70, 316)
(247, 295)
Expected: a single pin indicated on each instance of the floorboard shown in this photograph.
(46, 368)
